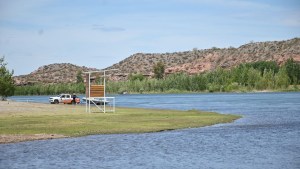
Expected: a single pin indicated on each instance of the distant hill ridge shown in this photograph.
(191, 62)
(53, 73)
(197, 61)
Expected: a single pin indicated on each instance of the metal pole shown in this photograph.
(89, 84)
(104, 92)
(89, 92)
(114, 105)
(86, 94)
(85, 97)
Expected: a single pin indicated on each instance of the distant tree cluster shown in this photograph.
(136, 76)
(293, 71)
(7, 87)
(50, 89)
(264, 75)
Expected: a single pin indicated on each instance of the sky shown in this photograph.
(100, 33)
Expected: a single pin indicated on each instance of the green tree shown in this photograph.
(79, 77)
(293, 71)
(282, 78)
(159, 70)
(137, 76)
(262, 65)
(253, 77)
(240, 74)
(7, 86)
(268, 79)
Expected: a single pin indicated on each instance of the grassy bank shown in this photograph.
(27, 119)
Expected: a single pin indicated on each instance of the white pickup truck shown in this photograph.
(64, 98)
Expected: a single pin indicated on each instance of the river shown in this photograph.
(268, 136)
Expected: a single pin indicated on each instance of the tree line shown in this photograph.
(262, 75)
(50, 89)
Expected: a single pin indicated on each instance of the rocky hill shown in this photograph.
(197, 61)
(191, 62)
(53, 73)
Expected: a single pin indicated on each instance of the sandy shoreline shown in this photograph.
(27, 137)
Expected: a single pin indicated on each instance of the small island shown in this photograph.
(21, 121)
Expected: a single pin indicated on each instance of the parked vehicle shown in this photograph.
(98, 101)
(64, 98)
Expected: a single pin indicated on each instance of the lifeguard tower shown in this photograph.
(95, 94)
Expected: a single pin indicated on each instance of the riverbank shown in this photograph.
(20, 121)
(241, 89)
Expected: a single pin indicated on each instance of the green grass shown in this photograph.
(73, 121)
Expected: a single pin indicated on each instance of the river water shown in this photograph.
(268, 136)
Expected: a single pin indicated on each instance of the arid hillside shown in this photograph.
(191, 62)
(197, 61)
(53, 73)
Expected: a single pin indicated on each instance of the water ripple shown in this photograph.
(266, 137)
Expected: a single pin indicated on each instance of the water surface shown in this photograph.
(268, 136)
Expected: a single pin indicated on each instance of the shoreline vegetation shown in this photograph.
(248, 77)
(20, 121)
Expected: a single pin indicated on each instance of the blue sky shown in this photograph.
(99, 33)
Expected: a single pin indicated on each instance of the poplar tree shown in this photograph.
(159, 70)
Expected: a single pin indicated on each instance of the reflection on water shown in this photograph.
(266, 137)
